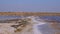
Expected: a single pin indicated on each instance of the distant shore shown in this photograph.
(29, 14)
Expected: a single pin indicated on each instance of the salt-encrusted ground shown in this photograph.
(5, 28)
(33, 27)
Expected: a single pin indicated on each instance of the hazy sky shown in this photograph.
(30, 5)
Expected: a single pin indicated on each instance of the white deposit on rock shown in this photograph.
(6, 28)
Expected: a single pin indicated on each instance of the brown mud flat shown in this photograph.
(29, 14)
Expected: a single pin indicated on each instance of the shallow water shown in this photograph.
(57, 18)
(9, 17)
(41, 27)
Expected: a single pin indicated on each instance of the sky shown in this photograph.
(29, 5)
